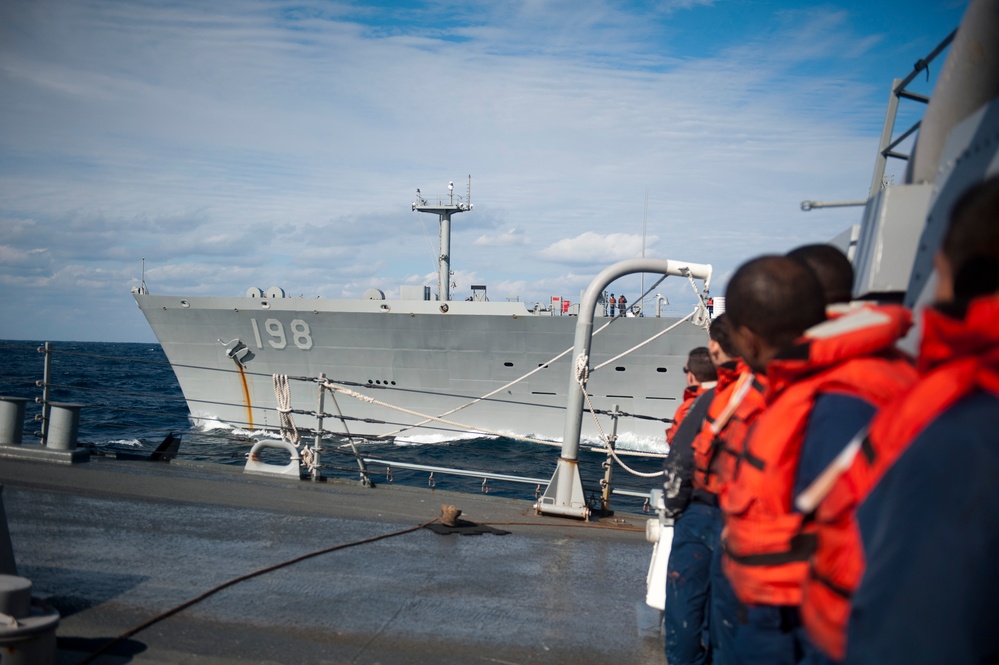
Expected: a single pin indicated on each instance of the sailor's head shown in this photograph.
(831, 266)
(720, 340)
(967, 262)
(771, 301)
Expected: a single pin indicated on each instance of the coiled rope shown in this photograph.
(282, 393)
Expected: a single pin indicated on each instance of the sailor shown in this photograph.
(613, 304)
(737, 403)
(679, 461)
(835, 274)
(824, 382)
(622, 305)
(700, 375)
(689, 612)
(930, 591)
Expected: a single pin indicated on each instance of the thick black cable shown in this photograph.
(183, 606)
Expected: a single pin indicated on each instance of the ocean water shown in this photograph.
(132, 401)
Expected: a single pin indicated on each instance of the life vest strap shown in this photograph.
(753, 460)
(867, 448)
(802, 547)
(837, 589)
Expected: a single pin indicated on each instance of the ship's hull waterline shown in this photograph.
(413, 355)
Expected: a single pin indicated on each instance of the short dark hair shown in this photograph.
(699, 364)
(721, 332)
(776, 297)
(830, 265)
(971, 242)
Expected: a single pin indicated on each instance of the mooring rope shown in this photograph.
(582, 372)
(544, 365)
(282, 392)
(640, 474)
(534, 371)
(641, 344)
(464, 426)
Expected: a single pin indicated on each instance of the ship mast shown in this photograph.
(444, 212)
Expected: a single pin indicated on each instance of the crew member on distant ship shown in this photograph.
(622, 305)
(824, 383)
(930, 591)
(613, 304)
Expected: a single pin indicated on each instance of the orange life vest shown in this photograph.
(956, 358)
(767, 543)
(738, 400)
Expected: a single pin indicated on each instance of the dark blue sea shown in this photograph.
(132, 401)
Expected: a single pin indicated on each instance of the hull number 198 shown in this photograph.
(300, 335)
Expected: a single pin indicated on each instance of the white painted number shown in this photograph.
(275, 330)
(301, 334)
(256, 334)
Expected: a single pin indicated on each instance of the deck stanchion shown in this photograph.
(317, 441)
(605, 484)
(44, 385)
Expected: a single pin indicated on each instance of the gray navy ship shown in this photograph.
(449, 366)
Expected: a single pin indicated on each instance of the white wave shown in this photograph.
(207, 422)
(643, 444)
(132, 443)
(439, 439)
(211, 423)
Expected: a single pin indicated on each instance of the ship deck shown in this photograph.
(116, 543)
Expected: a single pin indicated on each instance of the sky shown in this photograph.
(244, 143)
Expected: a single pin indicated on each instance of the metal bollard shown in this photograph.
(11, 420)
(64, 423)
(30, 639)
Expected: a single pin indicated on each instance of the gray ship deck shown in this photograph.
(116, 543)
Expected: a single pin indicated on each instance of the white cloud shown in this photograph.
(593, 247)
(508, 238)
(11, 257)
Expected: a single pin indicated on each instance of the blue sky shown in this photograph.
(246, 143)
